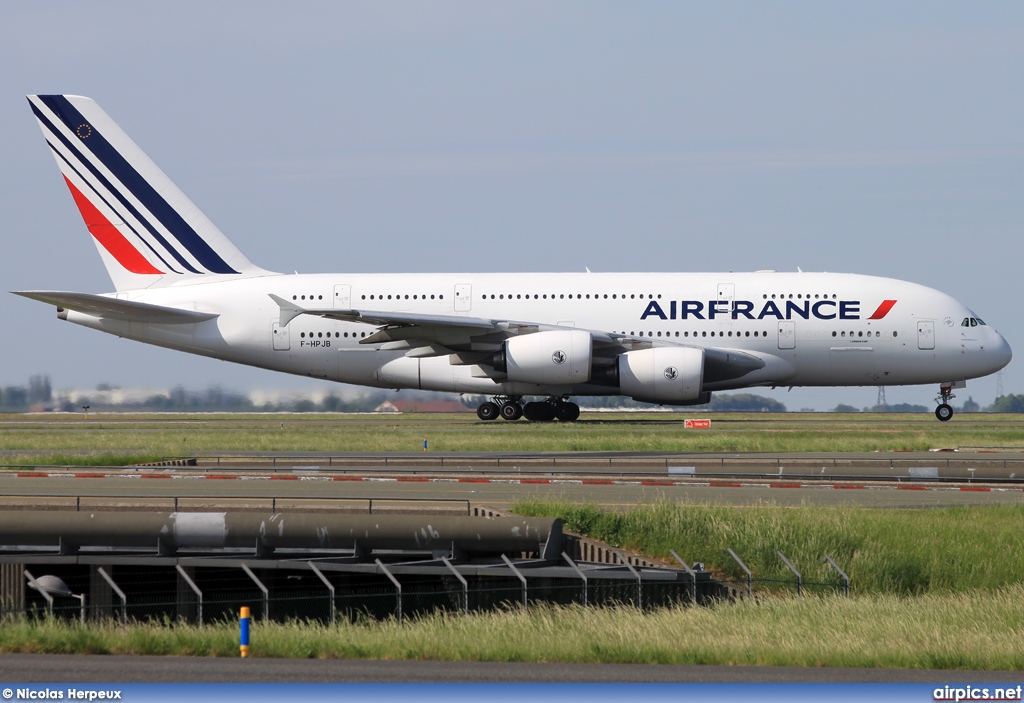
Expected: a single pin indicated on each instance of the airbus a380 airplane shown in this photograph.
(668, 338)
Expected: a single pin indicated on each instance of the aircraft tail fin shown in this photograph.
(148, 233)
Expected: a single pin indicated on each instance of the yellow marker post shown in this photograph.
(243, 634)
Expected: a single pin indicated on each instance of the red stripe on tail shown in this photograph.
(108, 235)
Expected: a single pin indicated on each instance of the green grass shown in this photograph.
(174, 435)
(936, 631)
(890, 551)
(932, 588)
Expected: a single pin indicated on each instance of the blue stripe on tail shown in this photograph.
(52, 130)
(139, 187)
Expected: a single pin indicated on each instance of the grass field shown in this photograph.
(883, 551)
(148, 437)
(948, 631)
(937, 588)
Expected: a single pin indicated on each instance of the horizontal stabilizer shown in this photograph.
(116, 308)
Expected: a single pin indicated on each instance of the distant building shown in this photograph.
(423, 406)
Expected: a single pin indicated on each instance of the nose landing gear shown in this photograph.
(945, 411)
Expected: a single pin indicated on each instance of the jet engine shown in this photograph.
(557, 357)
(670, 375)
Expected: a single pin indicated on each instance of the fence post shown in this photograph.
(693, 576)
(750, 577)
(636, 574)
(465, 585)
(398, 588)
(519, 575)
(581, 575)
(118, 591)
(195, 589)
(842, 573)
(266, 592)
(330, 587)
(799, 579)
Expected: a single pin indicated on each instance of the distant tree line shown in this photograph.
(1008, 404)
(217, 399)
(38, 395)
(1003, 404)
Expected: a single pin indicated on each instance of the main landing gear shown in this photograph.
(511, 408)
(945, 411)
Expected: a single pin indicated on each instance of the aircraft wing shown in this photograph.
(116, 308)
(473, 340)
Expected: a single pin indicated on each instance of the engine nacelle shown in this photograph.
(557, 357)
(672, 375)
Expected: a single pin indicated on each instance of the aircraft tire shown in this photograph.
(944, 412)
(487, 411)
(511, 411)
(539, 411)
(567, 412)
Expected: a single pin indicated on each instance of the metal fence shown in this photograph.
(212, 594)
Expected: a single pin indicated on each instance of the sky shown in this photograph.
(872, 137)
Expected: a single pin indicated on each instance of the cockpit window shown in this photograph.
(966, 322)
(972, 322)
(980, 321)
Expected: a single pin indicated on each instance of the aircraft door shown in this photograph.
(463, 297)
(925, 334)
(787, 334)
(282, 338)
(343, 296)
(726, 297)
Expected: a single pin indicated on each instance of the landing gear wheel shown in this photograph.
(567, 412)
(487, 411)
(539, 412)
(511, 411)
(945, 411)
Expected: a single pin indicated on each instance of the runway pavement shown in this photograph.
(56, 668)
(301, 489)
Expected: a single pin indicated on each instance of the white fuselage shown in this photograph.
(812, 329)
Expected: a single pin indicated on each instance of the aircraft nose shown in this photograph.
(999, 352)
